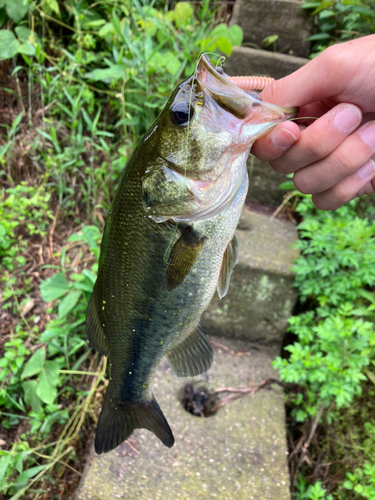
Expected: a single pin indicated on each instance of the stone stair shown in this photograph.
(284, 18)
(260, 298)
(237, 454)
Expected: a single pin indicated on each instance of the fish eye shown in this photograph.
(182, 113)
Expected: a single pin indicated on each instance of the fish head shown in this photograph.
(201, 142)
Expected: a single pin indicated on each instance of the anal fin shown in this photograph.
(230, 259)
(94, 326)
(192, 356)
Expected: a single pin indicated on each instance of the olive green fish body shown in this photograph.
(168, 245)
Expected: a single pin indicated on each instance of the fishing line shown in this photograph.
(219, 62)
(187, 150)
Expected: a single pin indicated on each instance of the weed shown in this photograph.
(339, 21)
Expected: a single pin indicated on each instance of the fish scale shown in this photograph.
(169, 243)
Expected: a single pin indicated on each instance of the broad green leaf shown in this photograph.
(52, 5)
(29, 473)
(107, 75)
(91, 234)
(26, 35)
(26, 48)
(235, 35)
(219, 31)
(45, 390)
(324, 14)
(4, 462)
(68, 303)
(50, 333)
(35, 364)
(288, 185)
(224, 46)
(8, 44)
(31, 397)
(54, 287)
(16, 10)
(183, 12)
(51, 369)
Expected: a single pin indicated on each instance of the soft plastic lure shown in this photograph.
(250, 82)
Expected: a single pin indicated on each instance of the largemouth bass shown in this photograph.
(169, 244)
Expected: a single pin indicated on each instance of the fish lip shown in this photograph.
(206, 64)
(238, 101)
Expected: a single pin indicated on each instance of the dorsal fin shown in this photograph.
(183, 255)
(192, 356)
(230, 259)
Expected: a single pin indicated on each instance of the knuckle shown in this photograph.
(278, 166)
(340, 194)
(316, 145)
(342, 163)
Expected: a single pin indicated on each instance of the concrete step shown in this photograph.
(260, 297)
(285, 18)
(239, 453)
(264, 181)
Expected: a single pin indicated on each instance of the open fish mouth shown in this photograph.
(230, 96)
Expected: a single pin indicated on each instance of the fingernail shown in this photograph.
(283, 139)
(346, 118)
(367, 170)
(368, 134)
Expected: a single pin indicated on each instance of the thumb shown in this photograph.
(308, 84)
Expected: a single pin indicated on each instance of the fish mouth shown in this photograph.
(235, 100)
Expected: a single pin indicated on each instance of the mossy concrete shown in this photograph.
(238, 454)
(285, 18)
(248, 61)
(264, 183)
(260, 297)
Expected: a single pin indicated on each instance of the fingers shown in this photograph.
(293, 89)
(344, 161)
(276, 142)
(358, 184)
(320, 139)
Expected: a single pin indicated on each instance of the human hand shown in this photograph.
(333, 158)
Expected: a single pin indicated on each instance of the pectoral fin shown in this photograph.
(230, 259)
(94, 326)
(192, 356)
(182, 258)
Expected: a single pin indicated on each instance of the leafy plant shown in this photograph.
(37, 386)
(340, 20)
(310, 492)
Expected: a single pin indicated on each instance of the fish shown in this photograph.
(169, 244)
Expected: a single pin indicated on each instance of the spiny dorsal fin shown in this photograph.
(183, 255)
(230, 259)
(94, 326)
(192, 356)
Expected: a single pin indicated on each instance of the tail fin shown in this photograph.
(116, 424)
